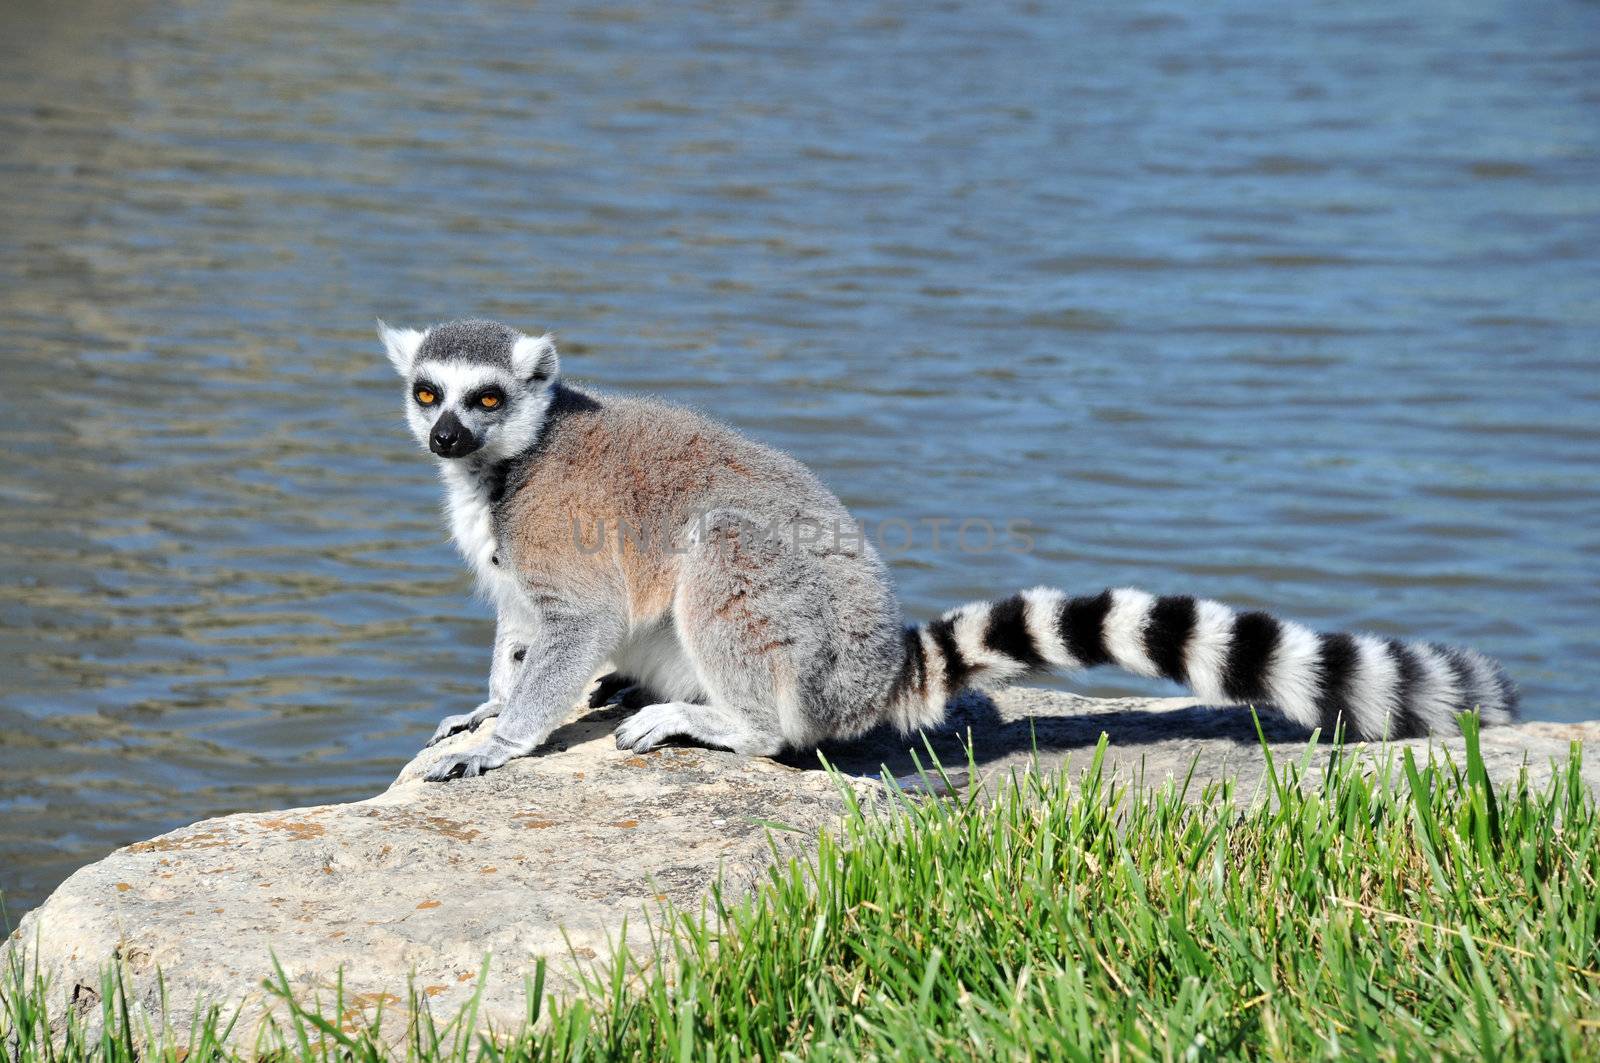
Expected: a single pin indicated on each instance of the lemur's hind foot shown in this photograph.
(654, 725)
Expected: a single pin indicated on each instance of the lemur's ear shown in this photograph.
(402, 345)
(534, 358)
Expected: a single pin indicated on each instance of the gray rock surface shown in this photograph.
(549, 856)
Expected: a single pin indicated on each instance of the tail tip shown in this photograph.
(1510, 696)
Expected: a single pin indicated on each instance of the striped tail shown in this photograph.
(1378, 687)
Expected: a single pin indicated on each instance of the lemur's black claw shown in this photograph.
(607, 687)
(635, 698)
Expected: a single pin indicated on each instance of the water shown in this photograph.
(1295, 308)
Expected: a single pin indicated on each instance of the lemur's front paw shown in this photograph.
(466, 721)
(470, 764)
(450, 725)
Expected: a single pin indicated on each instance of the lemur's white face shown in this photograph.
(474, 388)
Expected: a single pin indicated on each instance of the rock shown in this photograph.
(551, 855)
(1161, 736)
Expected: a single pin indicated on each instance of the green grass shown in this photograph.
(1412, 912)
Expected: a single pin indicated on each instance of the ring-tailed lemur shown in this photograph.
(620, 529)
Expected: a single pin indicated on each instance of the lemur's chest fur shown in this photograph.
(471, 492)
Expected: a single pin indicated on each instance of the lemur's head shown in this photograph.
(474, 387)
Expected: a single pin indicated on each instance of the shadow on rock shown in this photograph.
(998, 735)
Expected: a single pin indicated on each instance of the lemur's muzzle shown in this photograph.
(451, 439)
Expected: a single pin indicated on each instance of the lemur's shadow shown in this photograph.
(995, 737)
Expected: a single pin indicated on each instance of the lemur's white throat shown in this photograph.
(759, 647)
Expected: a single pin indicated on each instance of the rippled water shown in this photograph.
(1296, 308)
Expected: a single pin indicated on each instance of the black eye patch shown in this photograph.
(425, 393)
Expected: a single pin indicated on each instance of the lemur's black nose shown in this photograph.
(450, 438)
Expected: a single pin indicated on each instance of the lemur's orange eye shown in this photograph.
(489, 400)
(426, 396)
